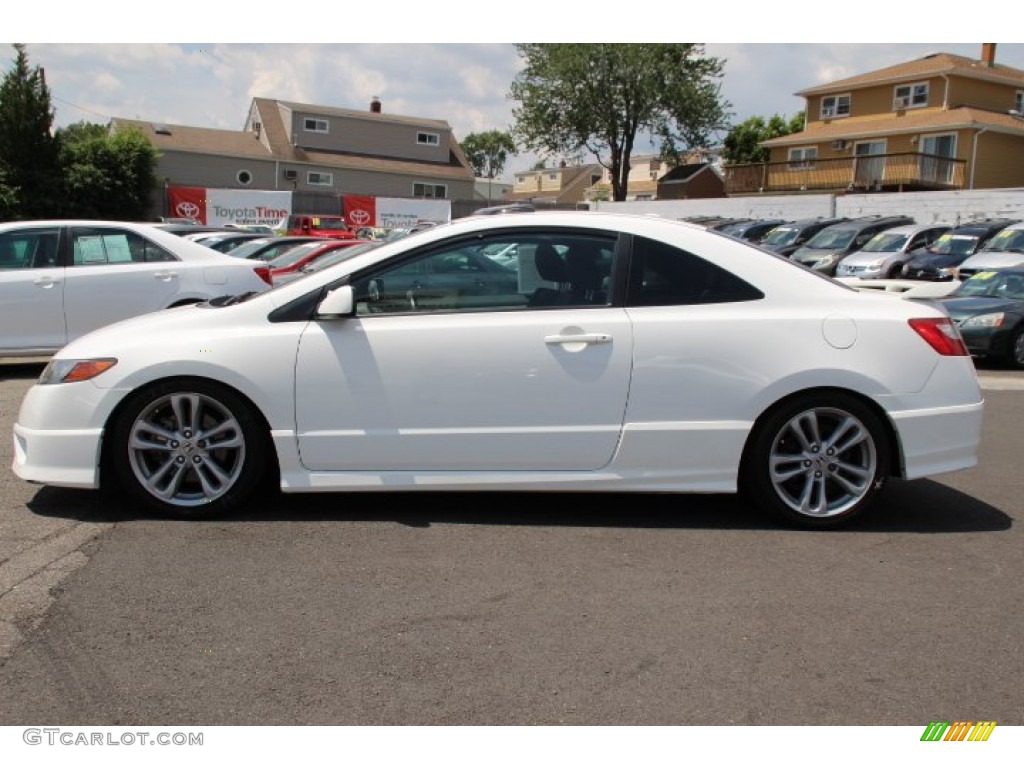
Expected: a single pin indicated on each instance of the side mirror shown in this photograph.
(337, 303)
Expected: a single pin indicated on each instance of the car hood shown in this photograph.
(993, 260)
(867, 257)
(935, 260)
(813, 254)
(969, 306)
(165, 328)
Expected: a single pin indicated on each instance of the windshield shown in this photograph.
(248, 248)
(885, 242)
(334, 257)
(954, 245)
(781, 236)
(1007, 240)
(293, 255)
(832, 238)
(991, 284)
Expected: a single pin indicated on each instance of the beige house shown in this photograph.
(318, 150)
(939, 122)
(650, 178)
(563, 185)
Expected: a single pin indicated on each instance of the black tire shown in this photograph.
(1015, 352)
(817, 460)
(188, 448)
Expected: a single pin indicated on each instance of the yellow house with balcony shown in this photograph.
(940, 122)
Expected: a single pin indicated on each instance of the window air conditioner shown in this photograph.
(828, 112)
(839, 144)
(290, 175)
(901, 102)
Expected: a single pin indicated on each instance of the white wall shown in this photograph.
(925, 207)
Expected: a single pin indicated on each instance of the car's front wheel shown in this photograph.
(188, 447)
(1015, 357)
(818, 460)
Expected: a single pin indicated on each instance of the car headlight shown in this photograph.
(947, 272)
(67, 371)
(993, 320)
(826, 261)
(876, 264)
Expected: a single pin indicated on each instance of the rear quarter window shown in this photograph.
(662, 275)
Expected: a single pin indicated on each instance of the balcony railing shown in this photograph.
(897, 172)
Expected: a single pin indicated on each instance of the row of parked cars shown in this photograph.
(123, 269)
(879, 247)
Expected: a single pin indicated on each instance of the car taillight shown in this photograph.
(264, 274)
(941, 334)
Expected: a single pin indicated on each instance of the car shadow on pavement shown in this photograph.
(22, 370)
(919, 506)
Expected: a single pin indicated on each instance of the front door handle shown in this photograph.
(579, 338)
(165, 276)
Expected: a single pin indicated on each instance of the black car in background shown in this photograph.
(939, 260)
(988, 308)
(823, 252)
(786, 238)
(752, 230)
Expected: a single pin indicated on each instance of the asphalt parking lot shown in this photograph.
(503, 609)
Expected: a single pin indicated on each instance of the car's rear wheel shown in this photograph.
(188, 447)
(817, 460)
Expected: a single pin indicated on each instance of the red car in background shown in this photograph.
(296, 258)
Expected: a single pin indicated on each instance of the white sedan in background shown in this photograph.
(61, 279)
(628, 353)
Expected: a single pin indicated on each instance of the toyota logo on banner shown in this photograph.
(360, 217)
(187, 209)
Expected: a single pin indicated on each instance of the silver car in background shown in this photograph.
(884, 255)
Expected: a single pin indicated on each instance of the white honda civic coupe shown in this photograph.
(60, 279)
(618, 353)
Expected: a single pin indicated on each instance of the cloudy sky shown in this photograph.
(464, 83)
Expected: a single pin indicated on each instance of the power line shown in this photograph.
(83, 109)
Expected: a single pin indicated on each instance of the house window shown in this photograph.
(317, 179)
(835, 106)
(802, 157)
(910, 96)
(430, 139)
(429, 190)
(1018, 102)
(315, 125)
(244, 178)
(552, 177)
(520, 179)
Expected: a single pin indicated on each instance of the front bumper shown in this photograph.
(59, 433)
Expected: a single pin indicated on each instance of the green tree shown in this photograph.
(599, 96)
(743, 142)
(108, 174)
(29, 152)
(488, 152)
(8, 197)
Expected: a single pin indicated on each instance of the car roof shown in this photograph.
(862, 222)
(984, 225)
(910, 229)
(813, 222)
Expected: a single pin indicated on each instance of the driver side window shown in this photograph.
(501, 272)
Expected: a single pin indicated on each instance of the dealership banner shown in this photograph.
(216, 207)
(393, 212)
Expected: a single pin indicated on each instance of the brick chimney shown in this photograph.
(988, 54)
(375, 104)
